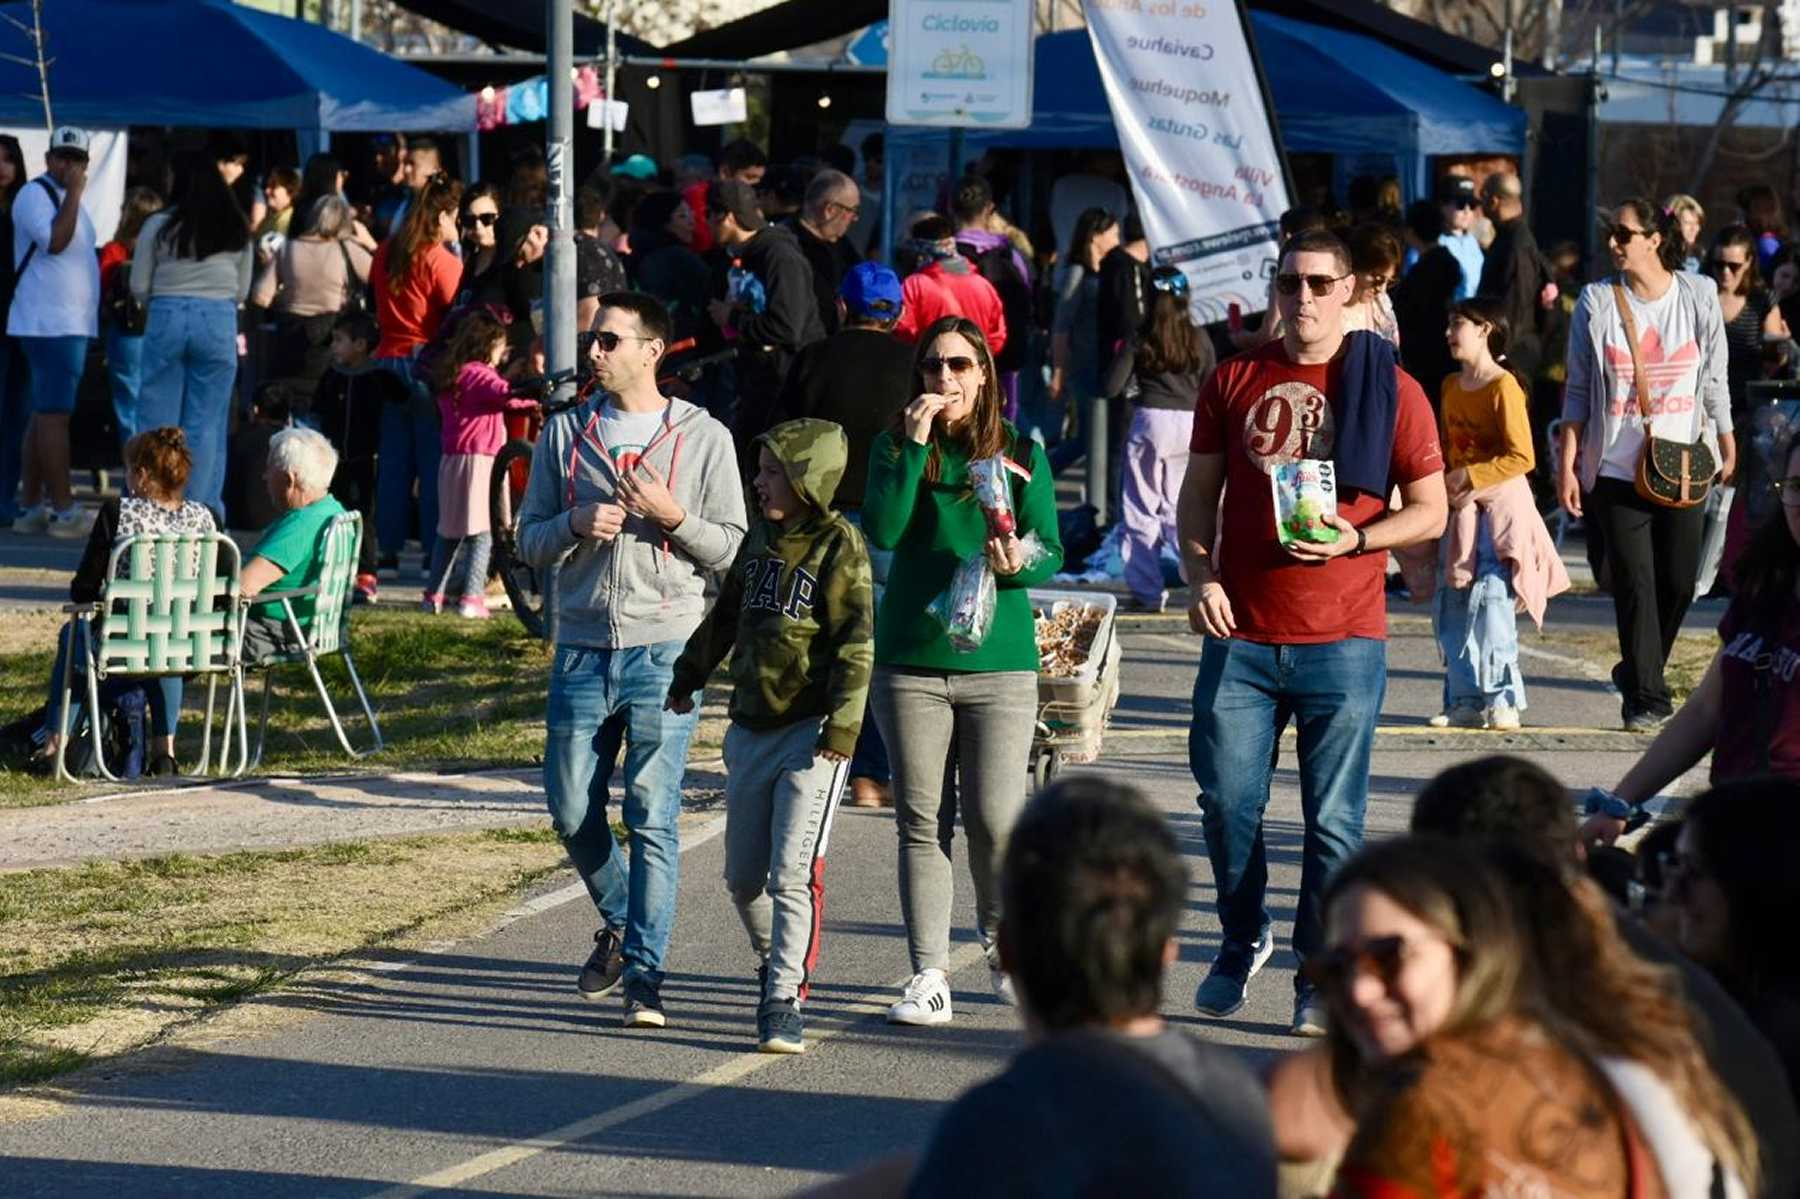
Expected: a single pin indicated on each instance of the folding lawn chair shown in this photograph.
(328, 634)
(170, 608)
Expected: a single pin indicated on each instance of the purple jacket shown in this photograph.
(983, 241)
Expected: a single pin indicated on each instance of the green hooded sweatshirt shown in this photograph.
(798, 603)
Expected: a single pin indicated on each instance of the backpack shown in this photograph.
(996, 265)
(124, 733)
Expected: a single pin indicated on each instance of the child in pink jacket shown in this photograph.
(472, 399)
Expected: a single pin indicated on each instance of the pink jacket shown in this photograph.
(473, 412)
(1520, 539)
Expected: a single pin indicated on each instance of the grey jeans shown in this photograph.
(989, 717)
(780, 796)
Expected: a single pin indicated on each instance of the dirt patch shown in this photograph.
(1688, 661)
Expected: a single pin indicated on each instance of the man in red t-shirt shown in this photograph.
(948, 285)
(1299, 631)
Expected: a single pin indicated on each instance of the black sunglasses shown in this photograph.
(1335, 969)
(958, 364)
(1621, 235)
(609, 341)
(1321, 285)
(480, 218)
(1466, 202)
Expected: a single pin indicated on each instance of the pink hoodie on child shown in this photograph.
(473, 411)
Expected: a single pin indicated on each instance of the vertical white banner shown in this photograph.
(1198, 142)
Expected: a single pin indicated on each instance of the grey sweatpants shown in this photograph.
(780, 796)
(991, 717)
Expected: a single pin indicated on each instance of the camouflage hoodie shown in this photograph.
(798, 603)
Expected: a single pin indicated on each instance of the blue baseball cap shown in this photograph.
(871, 290)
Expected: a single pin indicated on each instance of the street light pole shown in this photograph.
(612, 75)
(559, 261)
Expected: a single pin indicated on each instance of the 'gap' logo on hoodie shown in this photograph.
(762, 588)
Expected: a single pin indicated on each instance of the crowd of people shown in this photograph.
(802, 506)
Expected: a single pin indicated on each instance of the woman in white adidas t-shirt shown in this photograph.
(1651, 552)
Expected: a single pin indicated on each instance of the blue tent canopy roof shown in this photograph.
(214, 63)
(1333, 91)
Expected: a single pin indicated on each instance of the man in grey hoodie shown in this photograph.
(634, 499)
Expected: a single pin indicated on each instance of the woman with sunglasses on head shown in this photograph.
(414, 279)
(1746, 710)
(1162, 373)
(1483, 1044)
(929, 697)
(1677, 334)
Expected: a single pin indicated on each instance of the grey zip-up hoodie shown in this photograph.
(1585, 395)
(646, 585)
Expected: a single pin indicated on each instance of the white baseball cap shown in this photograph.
(69, 140)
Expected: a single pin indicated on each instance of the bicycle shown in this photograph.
(524, 584)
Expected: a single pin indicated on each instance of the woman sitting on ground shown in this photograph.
(157, 465)
(1481, 1048)
(1746, 710)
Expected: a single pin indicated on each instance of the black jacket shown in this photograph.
(768, 341)
(1124, 303)
(348, 407)
(830, 262)
(1422, 308)
(1515, 274)
(859, 378)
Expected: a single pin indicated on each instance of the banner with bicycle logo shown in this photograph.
(960, 62)
(1182, 83)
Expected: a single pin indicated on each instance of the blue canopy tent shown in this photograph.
(1334, 92)
(214, 63)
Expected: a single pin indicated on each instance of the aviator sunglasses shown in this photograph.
(958, 364)
(1319, 285)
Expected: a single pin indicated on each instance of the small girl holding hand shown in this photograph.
(473, 399)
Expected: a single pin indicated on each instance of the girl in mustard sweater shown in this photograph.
(1487, 440)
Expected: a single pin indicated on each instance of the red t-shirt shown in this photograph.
(1743, 718)
(409, 316)
(934, 293)
(1259, 410)
(695, 198)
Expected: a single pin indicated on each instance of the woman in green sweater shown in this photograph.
(929, 696)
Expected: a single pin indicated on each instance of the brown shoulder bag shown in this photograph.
(1675, 474)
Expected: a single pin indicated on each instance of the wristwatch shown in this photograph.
(1600, 801)
(1362, 543)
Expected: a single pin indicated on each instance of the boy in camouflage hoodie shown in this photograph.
(799, 606)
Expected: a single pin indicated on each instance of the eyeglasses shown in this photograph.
(853, 210)
(609, 341)
(1334, 970)
(1320, 285)
(1621, 235)
(958, 364)
(1788, 490)
(483, 219)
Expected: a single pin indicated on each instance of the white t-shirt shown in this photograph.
(1669, 344)
(59, 294)
(625, 434)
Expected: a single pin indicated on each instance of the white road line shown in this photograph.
(725, 1074)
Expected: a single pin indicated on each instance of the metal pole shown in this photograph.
(886, 232)
(356, 15)
(1097, 443)
(1592, 239)
(559, 262)
(612, 74)
(1731, 46)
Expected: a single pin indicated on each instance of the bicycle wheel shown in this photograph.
(512, 467)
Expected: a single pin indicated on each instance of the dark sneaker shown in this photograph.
(779, 1028)
(1222, 992)
(600, 976)
(1309, 1013)
(1645, 722)
(643, 1005)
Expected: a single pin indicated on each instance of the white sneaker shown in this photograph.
(925, 1001)
(1003, 987)
(1503, 718)
(1460, 716)
(73, 522)
(32, 521)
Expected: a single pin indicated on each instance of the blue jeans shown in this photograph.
(1478, 633)
(125, 369)
(1244, 695)
(190, 362)
(408, 453)
(600, 698)
(15, 414)
(164, 693)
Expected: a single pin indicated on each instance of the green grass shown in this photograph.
(450, 694)
(102, 958)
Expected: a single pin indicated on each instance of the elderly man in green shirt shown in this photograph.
(291, 552)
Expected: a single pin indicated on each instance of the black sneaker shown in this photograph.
(643, 1005)
(1222, 991)
(600, 976)
(779, 1028)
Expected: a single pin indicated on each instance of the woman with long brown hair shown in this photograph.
(414, 278)
(929, 696)
(1491, 1032)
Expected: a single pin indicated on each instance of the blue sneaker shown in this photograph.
(1222, 992)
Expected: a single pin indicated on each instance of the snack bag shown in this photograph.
(993, 491)
(1305, 493)
(966, 607)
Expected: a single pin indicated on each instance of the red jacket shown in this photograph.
(934, 292)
